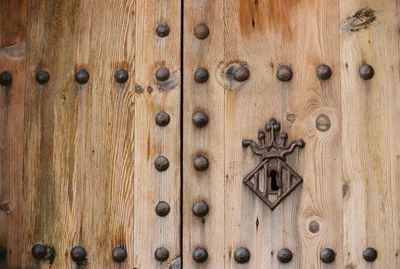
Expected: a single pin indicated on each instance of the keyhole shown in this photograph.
(274, 183)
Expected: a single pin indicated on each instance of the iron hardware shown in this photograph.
(201, 75)
(119, 254)
(162, 74)
(3, 253)
(161, 254)
(285, 255)
(200, 255)
(324, 72)
(78, 255)
(273, 179)
(201, 31)
(5, 79)
(163, 30)
(242, 255)
(162, 209)
(370, 254)
(162, 119)
(42, 77)
(366, 71)
(327, 255)
(284, 73)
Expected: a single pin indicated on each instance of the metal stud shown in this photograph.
(284, 73)
(200, 209)
(161, 254)
(119, 254)
(42, 77)
(121, 76)
(162, 209)
(201, 31)
(5, 79)
(163, 30)
(370, 254)
(327, 255)
(285, 255)
(366, 71)
(201, 75)
(3, 253)
(82, 76)
(78, 255)
(162, 119)
(162, 74)
(200, 163)
(200, 255)
(39, 251)
(241, 74)
(324, 72)
(242, 255)
(200, 119)
(161, 163)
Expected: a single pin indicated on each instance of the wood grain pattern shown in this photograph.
(13, 38)
(207, 232)
(299, 35)
(151, 141)
(79, 175)
(370, 128)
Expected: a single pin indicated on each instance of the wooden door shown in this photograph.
(348, 200)
(125, 129)
(78, 159)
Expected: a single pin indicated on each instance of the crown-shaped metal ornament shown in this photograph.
(273, 179)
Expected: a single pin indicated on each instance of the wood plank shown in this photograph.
(370, 127)
(105, 133)
(151, 97)
(311, 39)
(13, 30)
(263, 43)
(50, 131)
(203, 232)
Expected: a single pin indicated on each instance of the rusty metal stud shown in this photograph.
(366, 71)
(162, 209)
(78, 255)
(162, 74)
(285, 255)
(200, 255)
(200, 163)
(242, 255)
(163, 30)
(42, 77)
(119, 254)
(161, 163)
(200, 119)
(327, 255)
(370, 254)
(201, 31)
(3, 253)
(162, 119)
(241, 73)
(121, 76)
(324, 72)
(201, 75)
(200, 209)
(5, 79)
(82, 76)
(39, 251)
(161, 254)
(284, 73)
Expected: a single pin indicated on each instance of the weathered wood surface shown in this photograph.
(79, 169)
(13, 38)
(370, 128)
